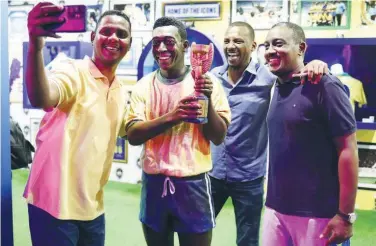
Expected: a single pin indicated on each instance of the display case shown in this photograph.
(355, 56)
(352, 61)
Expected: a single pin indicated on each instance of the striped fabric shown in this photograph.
(182, 150)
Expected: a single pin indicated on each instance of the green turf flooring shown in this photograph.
(123, 227)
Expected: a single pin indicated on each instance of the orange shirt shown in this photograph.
(182, 150)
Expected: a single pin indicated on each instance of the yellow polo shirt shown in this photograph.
(356, 90)
(76, 142)
(182, 150)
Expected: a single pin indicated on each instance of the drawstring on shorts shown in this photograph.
(168, 182)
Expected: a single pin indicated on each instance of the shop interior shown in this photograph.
(347, 44)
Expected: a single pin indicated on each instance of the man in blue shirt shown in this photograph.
(313, 159)
(239, 164)
(340, 10)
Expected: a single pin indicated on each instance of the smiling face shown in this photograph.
(283, 54)
(168, 48)
(238, 46)
(111, 41)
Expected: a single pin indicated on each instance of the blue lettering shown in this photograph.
(195, 10)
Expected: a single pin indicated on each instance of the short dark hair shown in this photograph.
(114, 12)
(297, 31)
(171, 21)
(246, 25)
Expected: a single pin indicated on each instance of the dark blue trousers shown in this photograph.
(247, 198)
(46, 230)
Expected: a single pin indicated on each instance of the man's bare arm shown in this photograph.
(348, 163)
(41, 93)
(141, 131)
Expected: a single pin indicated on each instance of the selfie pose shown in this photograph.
(85, 104)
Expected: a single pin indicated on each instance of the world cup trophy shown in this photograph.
(201, 61)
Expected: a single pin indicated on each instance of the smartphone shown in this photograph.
(74, 20)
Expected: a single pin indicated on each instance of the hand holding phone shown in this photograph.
(44, 13)
(73, 20)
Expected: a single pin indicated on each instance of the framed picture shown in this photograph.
(121, 150)
(326, 14)
(260, 14)
(368, 12)
(367, 165)
(140, 12)
(92, 16)
(17, 22)
(128, 65)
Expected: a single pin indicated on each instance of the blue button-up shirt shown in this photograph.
(242, 155)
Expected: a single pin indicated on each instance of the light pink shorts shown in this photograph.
(287, 230)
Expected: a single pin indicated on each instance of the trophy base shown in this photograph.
(200, 120)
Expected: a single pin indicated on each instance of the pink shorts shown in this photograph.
(288, 230)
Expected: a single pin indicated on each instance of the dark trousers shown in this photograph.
(247, 198)
(46, 230)
(339, 19)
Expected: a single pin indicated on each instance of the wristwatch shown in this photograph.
(351, 217)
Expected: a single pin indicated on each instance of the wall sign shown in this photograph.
(194, 11)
